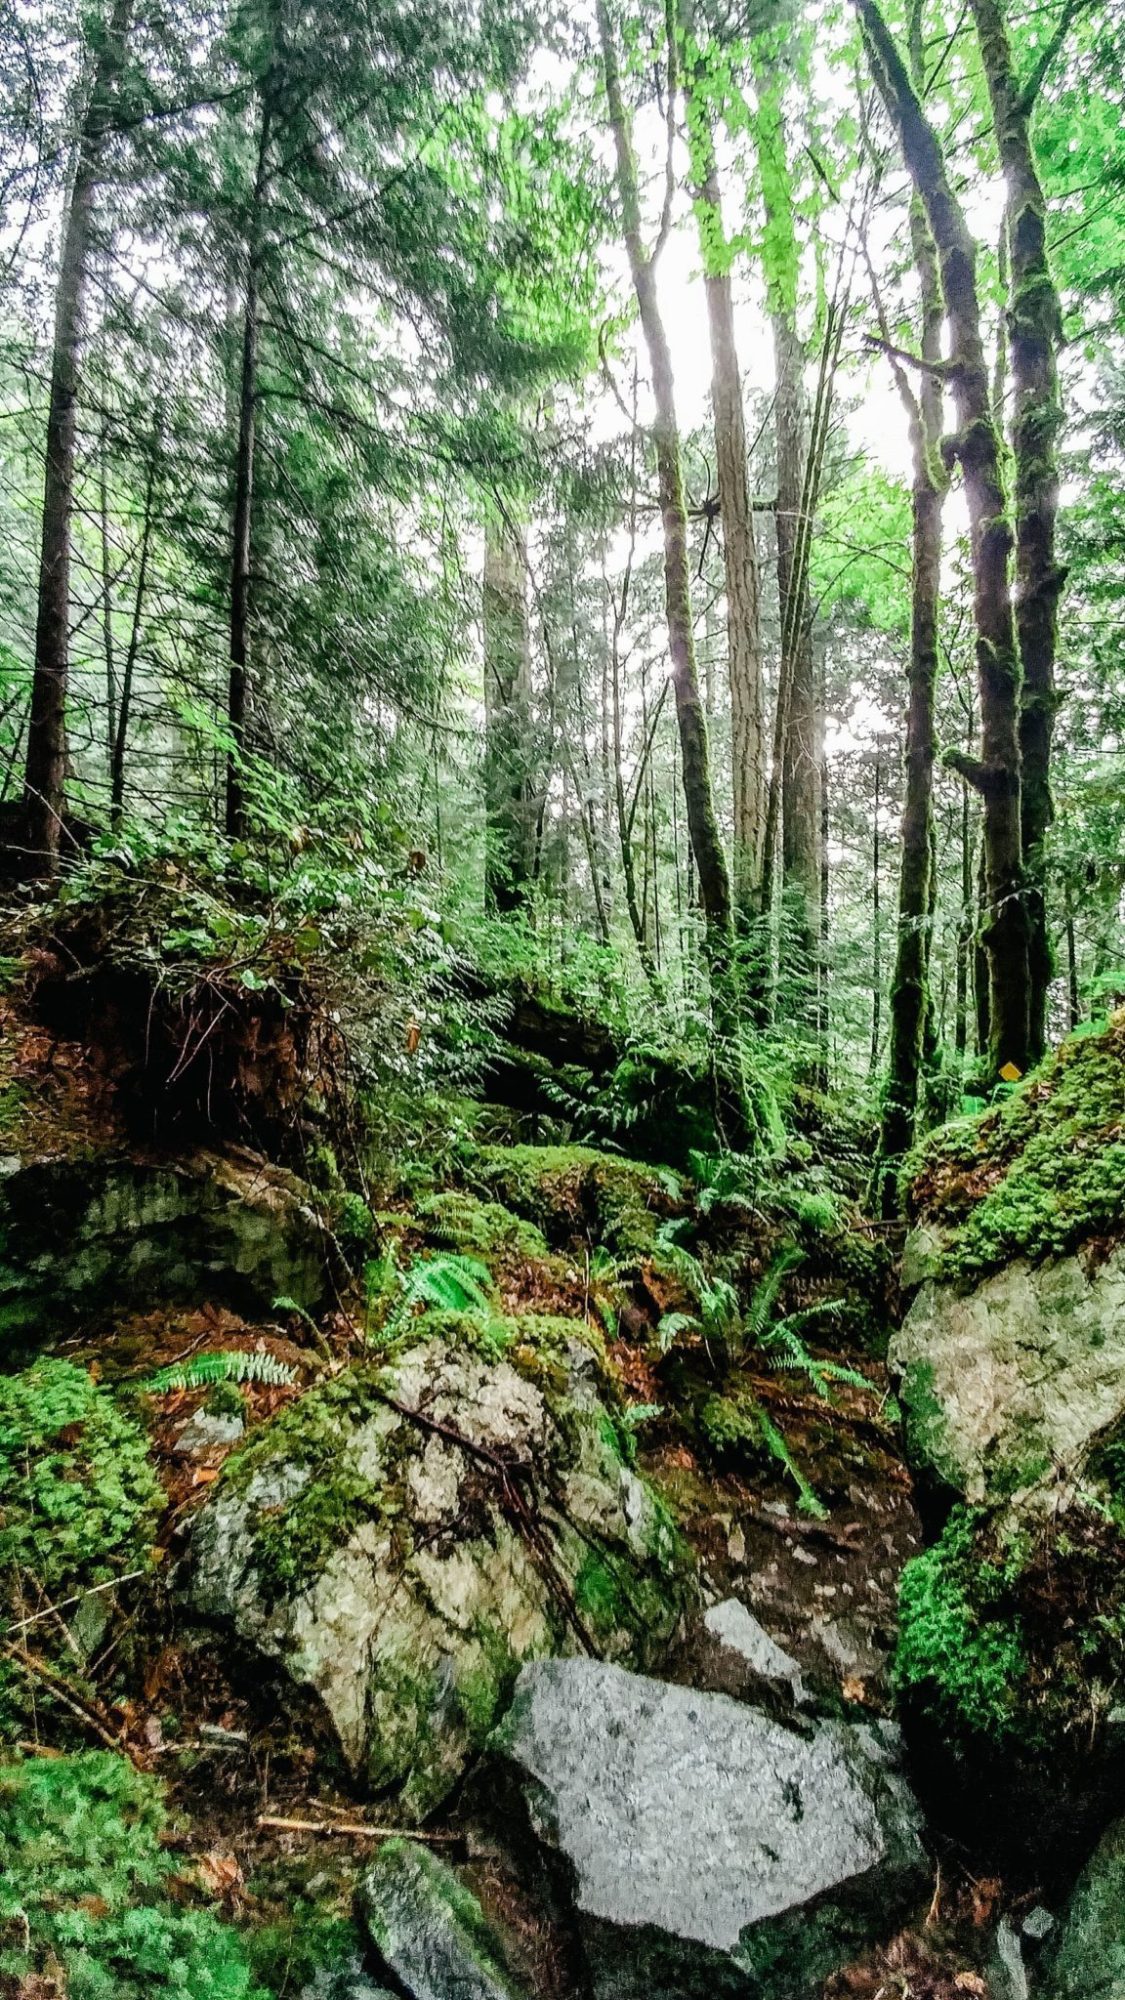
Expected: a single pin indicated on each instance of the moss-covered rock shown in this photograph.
(1040, 1174)
(483, 1228)
(80, 1237)
(1010, 1665)
(575, 1194)
(405, 1536)
(429, 1930)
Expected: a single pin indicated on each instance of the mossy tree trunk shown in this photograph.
(976, 446)
(507, 710)
(45, 765)
(909, 999)
(1034, 332)
(793, 806)
(703, 829)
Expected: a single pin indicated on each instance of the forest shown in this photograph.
(562, 961)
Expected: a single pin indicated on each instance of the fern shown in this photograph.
(229, 1365)
(808, 1501)
(786, 1335)
(453, 1282)
(767, 1290)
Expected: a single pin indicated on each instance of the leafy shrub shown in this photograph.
(78, 1495)
(83, 1890)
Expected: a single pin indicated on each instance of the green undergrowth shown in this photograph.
(460, 1221)
(1039, 1174)
(1012, 1639)
(86, 1902)
(961, 1651)
(78, 1495)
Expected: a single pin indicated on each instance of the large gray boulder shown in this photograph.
(428, 1930)
(708, 1848)
(402, 1539)
(1012, 1382)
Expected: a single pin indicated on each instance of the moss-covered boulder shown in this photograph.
(405, 1536)
(577, 1195)
(428, 1930)
(1011, 1362)
(79, 1237)
(1087, 1960)
(1012, 1355)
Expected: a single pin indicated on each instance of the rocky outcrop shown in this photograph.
(708, 1847)
(83, 1236)
(1088, 1961)
(1014, 1381)
(402, 1539)
(428, 1930)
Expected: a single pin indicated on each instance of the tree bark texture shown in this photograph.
(45, 767)
(975, 445)
(1034, 323)
(910, 983)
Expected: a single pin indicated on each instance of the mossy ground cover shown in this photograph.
(1038, 1175)
(86, 1902)
(1012, 1639)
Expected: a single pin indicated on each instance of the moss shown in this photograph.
(295, 1538)
(1039, 1174)
(575, 1194)
(86, 1903)
(926, 1423)
(485, 1228)
(353, 1224)
(961, 1654)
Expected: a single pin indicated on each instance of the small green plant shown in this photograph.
(229, 1365)
(739, 1426)
(78, 1495)
(85, 1904)
(449, 1282)
(718, 1315)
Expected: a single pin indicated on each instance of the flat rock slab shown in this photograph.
(428, 1929)
(710, 1848)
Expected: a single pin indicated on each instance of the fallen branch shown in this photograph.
(354, 1829)
(92, 1714)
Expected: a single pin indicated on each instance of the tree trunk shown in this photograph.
(910, 984)
(45, 766)
(121, 733)
(740, 558)
(703, 831)
(507, 695)
(242, 535)
(793, 806)
(1034, 322)
(996, 774)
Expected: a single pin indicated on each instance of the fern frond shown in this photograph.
(766, 1291)
(454, 1282)
(808, 1501)
(672, 1325)
(230, 1365)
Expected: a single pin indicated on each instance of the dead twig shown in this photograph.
(354, 1829)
